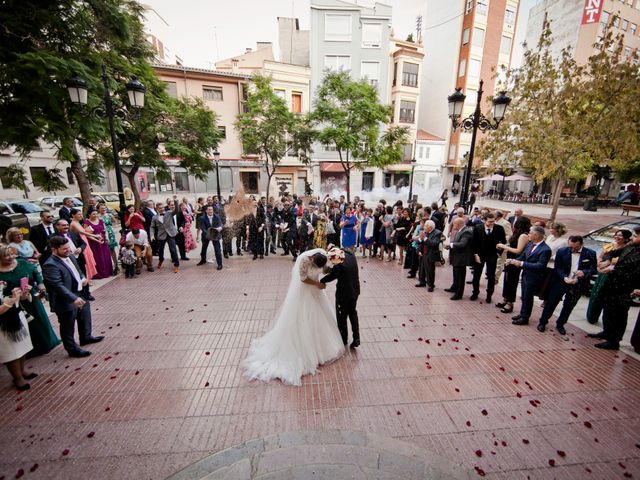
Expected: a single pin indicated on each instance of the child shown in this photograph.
(128, 259)
(366, 232)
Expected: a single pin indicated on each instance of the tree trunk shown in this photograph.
(348, 172)
(131, 176)
(81, 176)
(269, 175)
(556, 197)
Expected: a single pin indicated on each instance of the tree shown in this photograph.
(350, 117)
(564, 116)
(268, 128)
(42, 44)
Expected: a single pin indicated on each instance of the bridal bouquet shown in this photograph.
(335, 256)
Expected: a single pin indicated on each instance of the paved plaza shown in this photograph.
(454, 380)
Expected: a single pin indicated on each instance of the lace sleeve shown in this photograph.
(305, 267)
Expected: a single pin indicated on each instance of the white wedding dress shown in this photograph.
(305, 333)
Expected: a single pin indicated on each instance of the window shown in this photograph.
(481, 8)
(151, 181)
(638, 5)
(469, 7)
(337, 62)
(465, 36)
(462, 68)
(71, 180)
(474, 68)
(223, 131)
(505, 45)
(427, 152)
(38, 176)
(627, 53)
(407, 151)
(625, 25)
(410, 74)
(280, 93)
(393, 111)
(395, 73)
(388, 178)
(296, 102)
(471, 97)
(337, 27)
(370, 71)
(367, 181)
(36, 147)
(182, 181)
(226, 180)
(172, 89)
(3, 177)
(212, 93)
(249, 181)
(421, 151)
(371, 35)
(478, 37)
(604, 18)
(452, 152)
(633, 28)
(509, 17)
(407, 111)
(616, 22)
(329, 147)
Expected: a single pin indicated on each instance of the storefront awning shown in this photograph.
(399, 167)
(333, 167)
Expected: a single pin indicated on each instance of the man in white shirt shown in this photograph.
(142, 248)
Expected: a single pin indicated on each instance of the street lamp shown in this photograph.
(216, 158)
(472, 123)
(78, 94)
(413, 167)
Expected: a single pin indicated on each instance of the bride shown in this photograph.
(305, 333)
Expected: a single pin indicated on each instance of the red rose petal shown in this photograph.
(468, 423)
(622, 465)
(588, 469)
(411, 320)
(479, 471)
(94, 365)
(206, 384)
(525, 441)
(419, 339)
(457, 390)
(207, 353)
(579, 380)
(552, 462)
(65, 452)
(395, 340)
(615, 409)
(587, 409)
(503, 443)
(136, 337)
(34, 467)
(19, 407)
(561, 453)
(428, 356)
(20, 473)
(90, 434)
(404, 324)
(71, 384)
(515, 380)
(479, 453)
(204, 321)
(485, 413)
(513, 417)
(472, 356)
(587, 424)
(501, 369)
(398, 412)
(451, 379)
(627, 475)
(427, 341)
(107, 409)
(49, 381)
(137, 372)
(637, 445)
(574, 414)
(113, 376)
(519, 395)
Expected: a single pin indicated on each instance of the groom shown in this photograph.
(345, 270)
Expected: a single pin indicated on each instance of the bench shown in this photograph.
(626, 208)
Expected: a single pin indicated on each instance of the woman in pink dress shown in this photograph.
(189, 242)
(99, 244)
(76, 227)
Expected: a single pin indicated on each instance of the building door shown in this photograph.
(250, 181)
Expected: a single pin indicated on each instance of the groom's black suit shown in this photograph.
(347, 293)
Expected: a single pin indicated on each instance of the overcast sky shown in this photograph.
(204, 31)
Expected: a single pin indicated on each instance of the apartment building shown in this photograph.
(470, 40)
(577, 25)
(355, 38)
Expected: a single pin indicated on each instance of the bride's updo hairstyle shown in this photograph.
(319, 260)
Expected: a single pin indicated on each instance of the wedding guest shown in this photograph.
(402, 227)
(610, 253)
(13, 272)
(77, 246)
(518, 241)
(348, 229)
(99, 245)
(320, 235)
(141, 248)
(428, 250)
(508, 231)
(387, 225)
(460, 256)
(24, 248)
(366, 232)
(211, 227)
(75, 226)
(128, 259)
(64, 281)
(165, 231)
(112, 243)
(14, 337)
(485, 240)
(65, 210)
(39, 235)
(556, 240)
(133, 219)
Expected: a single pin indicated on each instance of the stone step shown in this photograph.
(332, 454)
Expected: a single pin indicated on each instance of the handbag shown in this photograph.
(329, 229)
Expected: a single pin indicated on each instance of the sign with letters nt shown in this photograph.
(592, 11)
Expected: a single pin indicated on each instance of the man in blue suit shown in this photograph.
(533, 262)
(211, 228)
(573, 267)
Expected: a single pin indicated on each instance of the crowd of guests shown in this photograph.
(64, 256)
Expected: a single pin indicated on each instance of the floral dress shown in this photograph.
(320, 236)
(189, 241)
(111, 236)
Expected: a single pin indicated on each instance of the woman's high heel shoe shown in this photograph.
(508, 308)
(501, 304)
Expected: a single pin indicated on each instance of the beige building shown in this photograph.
(577, 25)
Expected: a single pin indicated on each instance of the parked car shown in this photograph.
(597, 239)
(30, 209)
(8, 220)
(110, 199)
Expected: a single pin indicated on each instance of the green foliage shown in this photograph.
(14, 176)
(268, 128)
(51, 180)
(410, 38)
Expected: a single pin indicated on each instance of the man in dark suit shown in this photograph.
(345, 270)
(148, 212)
(64, 282)
(77, 246)
(573, 267)
(460, 256)
(181, 224)
(211, 228)
(533, 262)
(39, 235)
(65, 210)
(517, 213)
(485, 238)
(429, 253)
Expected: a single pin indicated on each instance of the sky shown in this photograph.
(202, 32)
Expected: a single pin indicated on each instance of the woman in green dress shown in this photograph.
(107, 219)
(12, 271)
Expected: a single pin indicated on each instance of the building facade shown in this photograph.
(479, 35)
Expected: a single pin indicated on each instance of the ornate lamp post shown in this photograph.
(216, 159)
(472, 123)
(78, 94)
(413, 167)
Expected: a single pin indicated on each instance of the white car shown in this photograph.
(30, 209)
